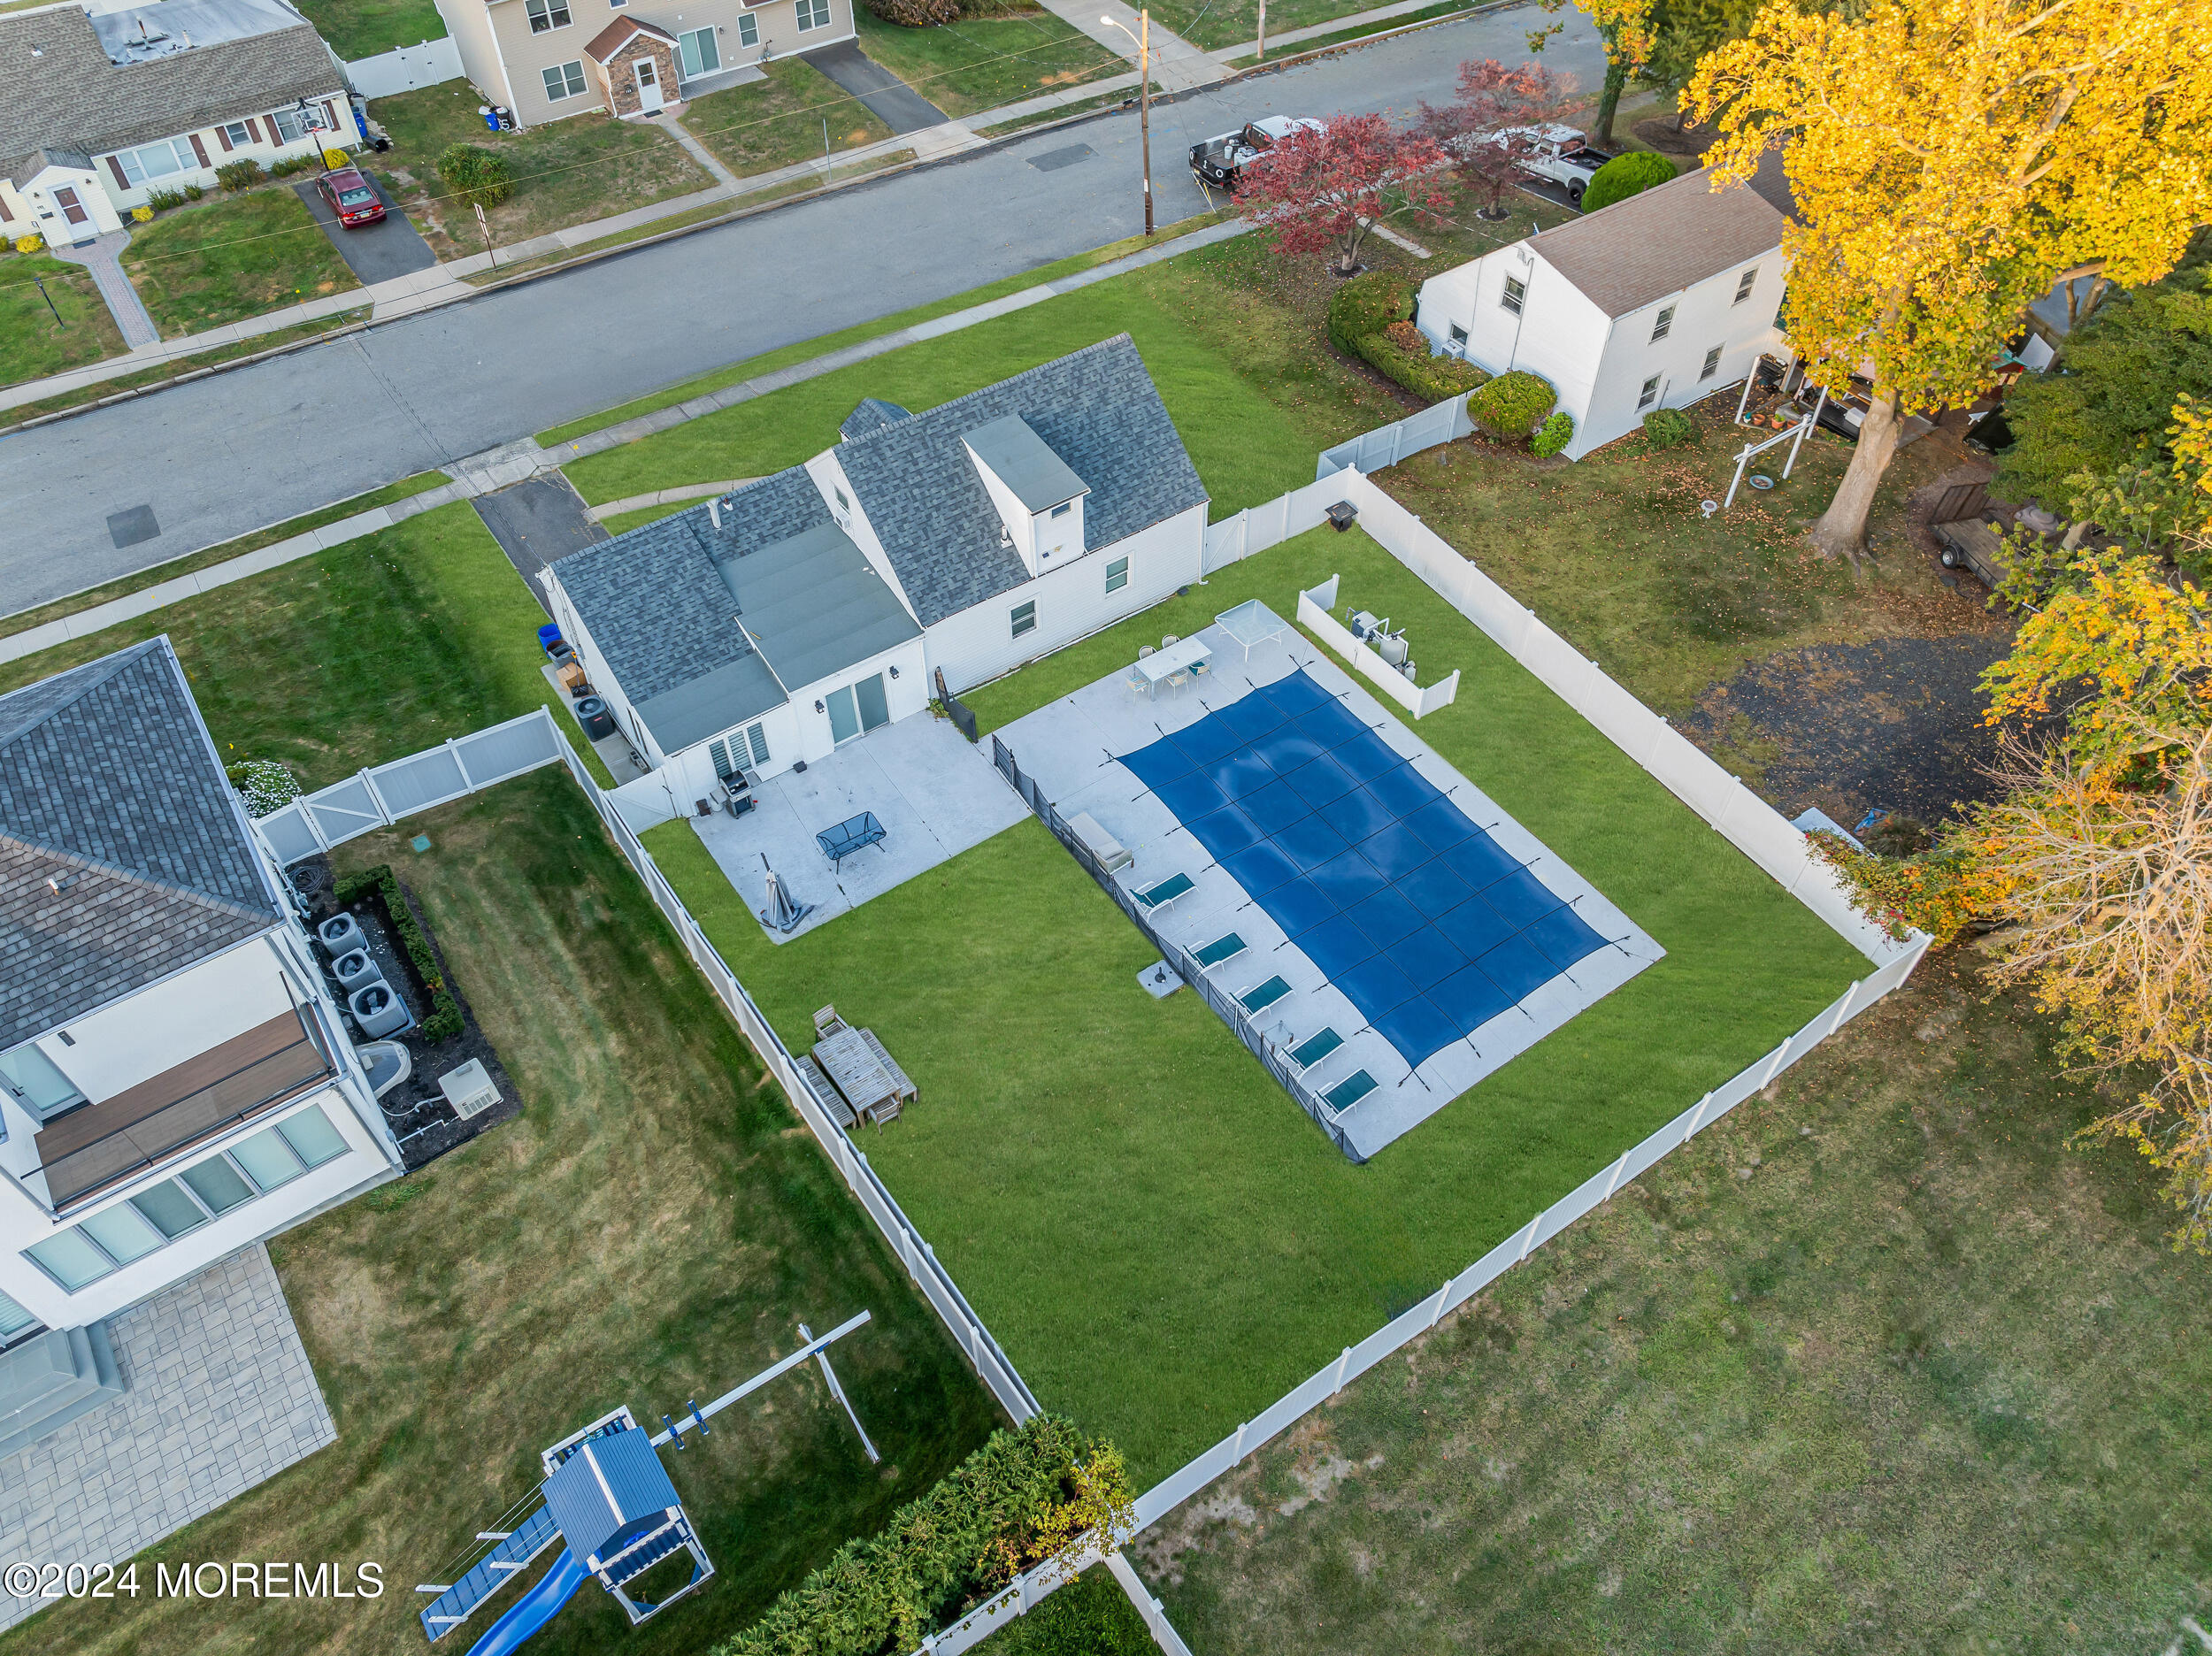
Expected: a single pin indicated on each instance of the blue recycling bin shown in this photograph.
(491, 119)
(549, 635)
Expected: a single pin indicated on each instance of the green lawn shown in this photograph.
(1339, 37)
(988, 61)
(1878, 1364)
(654, 1227)
(565, 172)
(37, 340)
(1213, 24)
(362, 28)
(772, 123)
(223, 260)
(366, 652)
(1163, 1242)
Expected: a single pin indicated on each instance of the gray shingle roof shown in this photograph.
(68, 96)
(662, 603)
(110, 785)
(1096, 409)
(872, 414)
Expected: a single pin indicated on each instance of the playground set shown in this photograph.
(606, 1501)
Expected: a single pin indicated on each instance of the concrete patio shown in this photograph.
(935, 794)
(1072, 749)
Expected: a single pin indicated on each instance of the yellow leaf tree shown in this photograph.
(1949, 159)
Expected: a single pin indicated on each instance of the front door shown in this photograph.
(649, 86)
(856, 710)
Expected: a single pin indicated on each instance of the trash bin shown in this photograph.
(490, 119)
(504, 116)
(549, 635)
(592, 713)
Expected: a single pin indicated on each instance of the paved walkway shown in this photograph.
(674, 128)
(221, 1398)
(1177, 64)
(103, 256)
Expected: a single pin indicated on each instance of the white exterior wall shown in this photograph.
(342, 136)
(830, 481)
(1071, 602)
(603, 684)
(32, 210)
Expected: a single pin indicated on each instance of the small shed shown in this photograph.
(619, 1515)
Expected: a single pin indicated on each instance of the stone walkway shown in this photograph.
(221, 1398)
(103, 256)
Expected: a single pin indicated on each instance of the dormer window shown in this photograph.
(1063, 509)
(1037, 495)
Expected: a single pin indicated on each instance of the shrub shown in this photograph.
(1511, 405)
(1018, 1492)
(29, 243)
(1669, 428)
(1368, 304)
(242, 173)
(477, 175)
(445, 1022)
(335, 158)
(1555, 433)
(1406, 336)
(1090, 1616)
(1626, 175)
(193, 192)
(1435, 378)
(264, 785)
(295, 164)
(916, 13)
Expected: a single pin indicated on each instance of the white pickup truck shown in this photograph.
(1557, 153)
(1217, 161)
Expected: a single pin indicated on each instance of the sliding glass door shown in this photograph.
(856, 710)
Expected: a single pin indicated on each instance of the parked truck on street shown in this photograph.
(1560, 154)
(1218, 161)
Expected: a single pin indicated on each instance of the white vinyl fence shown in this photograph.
(1257, 528)
(1313, 615)
(404, 68)
(1371, 452)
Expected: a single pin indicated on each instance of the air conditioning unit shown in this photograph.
(1456, 348)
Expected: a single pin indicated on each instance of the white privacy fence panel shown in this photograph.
(1314, 615)
(419, 781)
(342, 811)
(1257, 528)
(645, 801)
(404, 68)
(1386, 445)
(289, 834)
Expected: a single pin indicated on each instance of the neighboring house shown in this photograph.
(175, 1083)
(1655, 302)
(99, 108)
(804, 610)
(544, 59)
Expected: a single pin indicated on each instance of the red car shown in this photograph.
(351, 196)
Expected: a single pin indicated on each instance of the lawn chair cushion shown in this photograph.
(1167, 891)
(1109, 852)
(1222, 949)
(1262, 996)
(1350, 1091)
(1314, 1047)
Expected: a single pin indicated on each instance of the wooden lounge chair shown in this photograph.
(826, 1022)
(1259, 997)
(1314, 1048)
(1350, 1091)
(1221, 949)
(1154, 898)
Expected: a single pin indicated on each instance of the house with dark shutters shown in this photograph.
(102, 105)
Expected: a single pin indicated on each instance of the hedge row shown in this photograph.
(1370, 318)
(445, 1022)
(1435, 378)
(887, 1591)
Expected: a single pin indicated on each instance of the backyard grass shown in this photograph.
(1163, 1242)
(362, 28)
(199, 266)
(366, 652)
(988, 60)
(777, 121)
(33, 342)
(654, 1227)
(1878, 1363)
(565, 172)
(23, 620)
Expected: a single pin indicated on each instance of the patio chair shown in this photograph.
(1259, 998)
(1154, 898)
(1220, 950)
(1199, 670)
(1176, 680)
(1314, 1048)
(1170, 641)
(826, 1022)
(1137, 682)
(1350, 1091)
(1143, 650)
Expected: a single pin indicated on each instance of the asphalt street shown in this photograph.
(238, 451)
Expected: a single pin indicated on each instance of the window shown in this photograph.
(1117, 574)
(1459, 336)
(1712, 364)
(122, 1233)
(1666, 321)
(268, 1160)
(699, 54)
(157, 161)
(1650, 395)
(730, 753)
(1743, 284)
(37, 1084)
(757, 739)
(747, 30)
(1516, 291)
(169, 1209)
(310, 1133)
(564, 81)
(545, 15)
(1025, 618)
(1063, 509)
(14, 1318)
(238, 133)
(219, 1186)
(289, 126)
(843, 503)
(813, 14)
(70, 1259)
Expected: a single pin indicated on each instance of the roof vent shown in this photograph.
(60, 883)
(714, 512)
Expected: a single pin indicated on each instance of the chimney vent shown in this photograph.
(60, 883)
(714, 512)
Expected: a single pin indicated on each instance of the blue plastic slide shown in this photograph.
(534, 1609)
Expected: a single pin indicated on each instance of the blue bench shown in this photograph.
(855, 834)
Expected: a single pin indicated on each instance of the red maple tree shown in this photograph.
(1322, 191)
(1492, 128)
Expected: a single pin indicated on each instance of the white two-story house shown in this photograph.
(1655, 302)
(803, 610)
(175, 1083)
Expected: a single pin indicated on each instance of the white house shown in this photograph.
(801, 611)
(1655, 302)
(104, 103)
(175, 1083)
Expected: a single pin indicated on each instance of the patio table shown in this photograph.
(856, 1071)
(855, 834)
(1176, 657)
(1251, 622)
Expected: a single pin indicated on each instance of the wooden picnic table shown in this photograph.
(859, 1068)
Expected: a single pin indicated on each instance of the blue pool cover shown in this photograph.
(1420, 918)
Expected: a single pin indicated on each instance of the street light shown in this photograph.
(1144, 99)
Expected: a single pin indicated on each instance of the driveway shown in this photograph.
(894, 102)
(538, 521)
(376, 252)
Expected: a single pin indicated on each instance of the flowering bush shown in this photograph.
(1939, 892)
(264, 785)
(29, 243)
(141, 215)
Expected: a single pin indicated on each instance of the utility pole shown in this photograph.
(1144, 99)
(1261, 55)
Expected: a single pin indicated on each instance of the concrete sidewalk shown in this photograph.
(103, 257)
(1177, 64)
